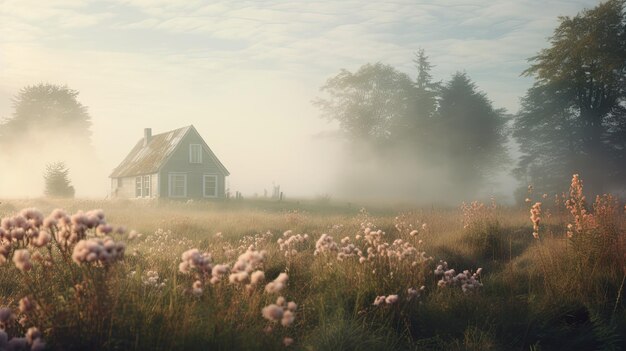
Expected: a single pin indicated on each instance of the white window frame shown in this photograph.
(138, 186)
(198, 153)
(143, 186)
(170, 182)
(214, 176)
(147, 186)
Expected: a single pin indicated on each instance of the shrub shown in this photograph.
(57, 181)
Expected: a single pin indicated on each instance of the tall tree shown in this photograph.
(573, 119)
(421, 121)
(50, 109)
(427, 89)
(368, 104)
(472, 134)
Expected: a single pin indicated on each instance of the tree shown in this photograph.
(46, 109)
(368, 104)
(423, 116)
(57, 181)
(573, 119)
(427, 90)
(472, 134)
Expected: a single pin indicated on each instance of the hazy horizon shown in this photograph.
(244, 74)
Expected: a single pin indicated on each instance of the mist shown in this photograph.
(247, 87)
(27, 158)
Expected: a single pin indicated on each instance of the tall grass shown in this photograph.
(263, 275)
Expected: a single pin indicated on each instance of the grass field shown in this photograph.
(380, 279)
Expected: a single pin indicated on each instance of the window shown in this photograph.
(142, 186)
(210, 185)
(119, 182)
(177, 185)
(138, 186)
(146, 186)
(195, 153)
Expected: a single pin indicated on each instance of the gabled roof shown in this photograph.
(149, 159)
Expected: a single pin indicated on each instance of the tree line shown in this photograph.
(572, 120)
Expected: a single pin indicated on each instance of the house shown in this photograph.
(175, 164)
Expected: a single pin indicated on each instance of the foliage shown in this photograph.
(574, 117)
(57, 180)
(179, 286)
(51, 108)
(368, 103)
(475, 133)
(450, 129)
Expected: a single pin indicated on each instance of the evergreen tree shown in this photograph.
(57, 181)
(472, 135)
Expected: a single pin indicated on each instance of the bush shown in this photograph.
(57, 181)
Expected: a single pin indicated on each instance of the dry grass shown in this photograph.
(551, 293)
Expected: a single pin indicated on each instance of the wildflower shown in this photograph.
(288, 318)
(291, 306)
(196, 288)
(193, 259)
(535, 218)
(220, 270)
(38, 345)
(25, 305)
(21, 258)
(43, 238)
(272, 312)
(104, 229)
(280, 301)
(391, 299)
(134, 235)
(239, 277)
(17, 344)
(287, 341)
(278, 284)
(33, 334)
(379, 300)
(5, 315)
(249, 261)
(102, 251)
(257, 277)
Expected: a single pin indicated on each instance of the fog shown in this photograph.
(247, 87)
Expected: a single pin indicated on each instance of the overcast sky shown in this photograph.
(244, 72)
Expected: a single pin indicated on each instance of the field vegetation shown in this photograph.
(251, 274)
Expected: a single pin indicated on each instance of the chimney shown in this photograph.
(147, 135)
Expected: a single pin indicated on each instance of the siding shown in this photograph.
(127, 190)
(179, 163)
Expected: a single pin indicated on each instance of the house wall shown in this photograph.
(127, 190)
(179, 163)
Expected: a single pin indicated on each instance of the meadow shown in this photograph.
(313, 275)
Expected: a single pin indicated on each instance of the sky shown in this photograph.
(244, 72)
